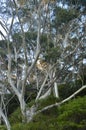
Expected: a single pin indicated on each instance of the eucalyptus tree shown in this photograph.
(3, 92)
(68, 39)
(62, 44)
(55, 33)
(17, 72)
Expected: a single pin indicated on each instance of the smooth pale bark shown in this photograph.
(5, 120)
(46, 94)
(56, 93)
(63, 101)
(33, 111)
(19, 88)
(41, 88)
(55, 89)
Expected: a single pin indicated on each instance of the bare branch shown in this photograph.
(63, 101)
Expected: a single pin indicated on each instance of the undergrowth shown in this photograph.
(69, 116)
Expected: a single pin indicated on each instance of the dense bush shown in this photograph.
(72, 116)
(69, 116)
(2, 128)
(16, 117)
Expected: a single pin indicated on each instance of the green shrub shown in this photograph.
(47, 101)
(2, 127)
(16, 116)
(72, 116)
(69, 116)
(20, 126)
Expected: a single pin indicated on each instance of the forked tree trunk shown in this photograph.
(27, 113)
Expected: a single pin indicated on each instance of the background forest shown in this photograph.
(43, 64)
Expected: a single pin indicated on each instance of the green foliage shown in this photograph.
(34, 126)
(64, 15)
(17, 40)
(2, 52)
(65, 90)
(31, 36)
(48, 101)
(45, 42)
(41, 121)
(66, 125)
(3, 46)
(16, 116)
(3, 128)
(72, 116)
(20, 126)
(53, 53)
(43, 38)
(77, 2)
(13, 104)
(30, 93)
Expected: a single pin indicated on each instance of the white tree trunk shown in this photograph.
(5, 120)
(41, 88)
(56, 93)
(46, 94)
(55, 89)
(22, 107)
(31, 112)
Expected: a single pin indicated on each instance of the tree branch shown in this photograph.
(63, 101)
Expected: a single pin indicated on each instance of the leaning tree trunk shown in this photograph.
(56, 93)
(55, 89)
(5, 120)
